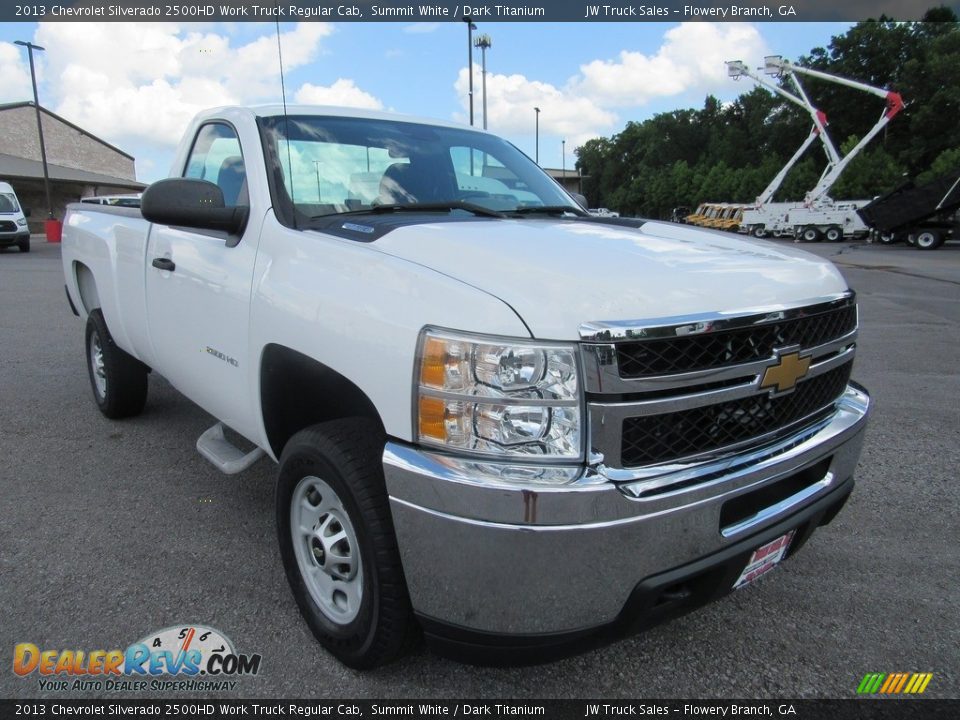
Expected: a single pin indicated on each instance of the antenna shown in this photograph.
(286, 125)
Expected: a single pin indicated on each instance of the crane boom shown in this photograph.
(767, 194)
(737, 69)
(775, 65)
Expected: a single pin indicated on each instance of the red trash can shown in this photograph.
(54, 230)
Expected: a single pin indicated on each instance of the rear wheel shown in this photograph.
(834, 233)
(928, 239)
(811, 233)
(758, 231)
(887, 238)
(118, 380)
(338, 545)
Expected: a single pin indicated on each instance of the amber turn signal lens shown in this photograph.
(432, 415)
(434, 364)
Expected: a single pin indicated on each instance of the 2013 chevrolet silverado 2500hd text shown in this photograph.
(498, 419)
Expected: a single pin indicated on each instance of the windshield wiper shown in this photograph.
(548, 210)
(420, 207)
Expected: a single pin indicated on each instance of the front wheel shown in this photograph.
(338, 545)
(118, 380)
(24, 245)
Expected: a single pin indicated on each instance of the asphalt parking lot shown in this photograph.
(111, 530)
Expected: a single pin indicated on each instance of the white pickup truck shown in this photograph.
(499, 421)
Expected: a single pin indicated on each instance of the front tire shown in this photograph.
(338, 545)
(118, 380)
(24, 245)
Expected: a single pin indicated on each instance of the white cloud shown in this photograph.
(511, 100)
(343, 92)
(691, 57)
(144, 81)
(15, 73)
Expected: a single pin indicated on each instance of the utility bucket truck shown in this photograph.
(818, 216)
(766, 217)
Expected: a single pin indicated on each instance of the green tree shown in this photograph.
(731, 152)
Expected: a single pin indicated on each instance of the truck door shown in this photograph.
(198, 290)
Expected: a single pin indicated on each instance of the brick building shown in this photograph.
(79, 164)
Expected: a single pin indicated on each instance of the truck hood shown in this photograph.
(557, 274)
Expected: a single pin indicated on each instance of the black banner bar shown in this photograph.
(447, 11)
(853, 709)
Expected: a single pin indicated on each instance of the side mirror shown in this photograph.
(26, 212)
(582, 199)
(192, 203)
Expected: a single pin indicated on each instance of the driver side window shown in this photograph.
(216, 157)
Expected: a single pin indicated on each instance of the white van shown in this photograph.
(13, 221)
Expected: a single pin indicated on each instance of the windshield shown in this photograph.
(335, 165)
(8, 203)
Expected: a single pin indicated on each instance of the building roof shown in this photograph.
(18, 167)
(559, 173)
(29, 103)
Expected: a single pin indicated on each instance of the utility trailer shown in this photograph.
(924, 216)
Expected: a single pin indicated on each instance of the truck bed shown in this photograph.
(910, 204)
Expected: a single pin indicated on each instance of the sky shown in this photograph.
(136, 85)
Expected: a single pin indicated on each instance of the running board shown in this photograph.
(226, 457)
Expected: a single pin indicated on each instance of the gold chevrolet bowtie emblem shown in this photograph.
(784, 375)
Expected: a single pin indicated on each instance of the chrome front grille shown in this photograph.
(686, 389)
(731, 347)
(657, 438)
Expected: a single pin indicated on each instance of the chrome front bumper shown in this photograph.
(483, 553)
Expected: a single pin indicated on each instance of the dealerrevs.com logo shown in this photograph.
(183, 657)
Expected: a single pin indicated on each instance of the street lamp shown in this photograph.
(36, 105)
(470, 28)
(483, 42)
(537, 146)
(563, 154)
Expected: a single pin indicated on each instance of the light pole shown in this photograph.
(36, 105)
(483, 42)
(537, 145)
(563, 154)
(470, 28)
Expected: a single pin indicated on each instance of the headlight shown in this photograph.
(497, 396)
(21, 221)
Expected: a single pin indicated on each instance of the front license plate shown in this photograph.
(764, 559)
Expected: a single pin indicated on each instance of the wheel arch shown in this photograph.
(297, 391)
(86, 287)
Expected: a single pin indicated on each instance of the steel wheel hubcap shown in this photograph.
(96, 363)
(326, 548)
